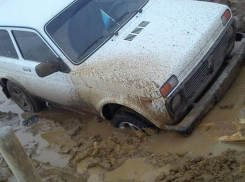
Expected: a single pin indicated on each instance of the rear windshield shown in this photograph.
(85, 25)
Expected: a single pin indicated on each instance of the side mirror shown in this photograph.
(50, 67)
(47, 68)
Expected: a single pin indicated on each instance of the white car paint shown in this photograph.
(178, 36)
(152, 60)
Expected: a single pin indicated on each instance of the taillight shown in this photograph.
(226, 17)
(169, 86)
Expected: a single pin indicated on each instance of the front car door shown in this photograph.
(33, 50)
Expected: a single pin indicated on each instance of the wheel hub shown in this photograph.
(122, 125)
(21, 99)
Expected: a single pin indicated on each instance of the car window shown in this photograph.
(32, 47)
(6, 45)
(86, 24)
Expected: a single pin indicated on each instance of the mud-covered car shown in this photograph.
(142, 63)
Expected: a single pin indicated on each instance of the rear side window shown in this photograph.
(32, 47)
(6, 45)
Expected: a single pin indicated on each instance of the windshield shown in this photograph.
(85, 25)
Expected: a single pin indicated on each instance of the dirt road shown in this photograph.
(67, 146)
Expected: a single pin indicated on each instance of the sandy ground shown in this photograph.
(66, 146)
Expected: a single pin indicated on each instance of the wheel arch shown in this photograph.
(155, 112)
(3, 83)
(108, 107)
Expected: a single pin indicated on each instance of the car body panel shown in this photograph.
(144, 64)
(124, 71)
(57, 88)
(12, 68)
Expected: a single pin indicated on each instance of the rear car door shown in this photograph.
(57, 87)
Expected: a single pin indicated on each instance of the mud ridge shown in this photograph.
(229, 166)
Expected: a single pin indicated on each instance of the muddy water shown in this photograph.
(135, 169)
(12, 179)
(131, 169)
(224, 119)
(61, 138)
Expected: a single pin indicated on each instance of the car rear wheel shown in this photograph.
(128, 118)
(23, 99)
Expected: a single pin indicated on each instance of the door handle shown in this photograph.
(26, 69)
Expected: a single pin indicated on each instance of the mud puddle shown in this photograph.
(66, 146)
(136, 169)
(223, 121)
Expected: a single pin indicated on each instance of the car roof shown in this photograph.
(30, 13)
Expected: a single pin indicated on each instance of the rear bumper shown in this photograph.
(213, 95)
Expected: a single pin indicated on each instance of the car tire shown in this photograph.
(125, 117)
(24, 99)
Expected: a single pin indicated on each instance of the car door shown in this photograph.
(11, 66)
(57, 87)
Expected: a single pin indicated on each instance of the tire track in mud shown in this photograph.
(110, 153)
(113, 153)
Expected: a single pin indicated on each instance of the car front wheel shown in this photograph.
(128, 118)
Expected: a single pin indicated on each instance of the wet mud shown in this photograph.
(229, 166)
(67, 146)
(5, 172)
